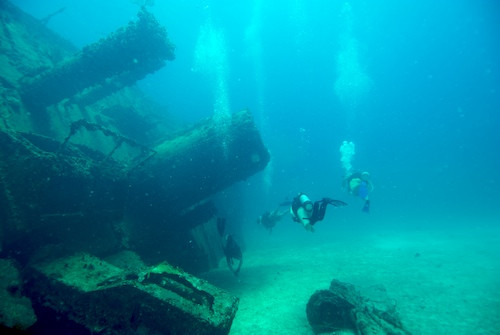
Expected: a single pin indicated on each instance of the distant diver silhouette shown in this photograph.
(231, 249)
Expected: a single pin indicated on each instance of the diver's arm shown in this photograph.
(370, 186)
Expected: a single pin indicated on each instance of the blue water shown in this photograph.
(414, 84)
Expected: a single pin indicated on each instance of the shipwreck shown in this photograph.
(82, 193)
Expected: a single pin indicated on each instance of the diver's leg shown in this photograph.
(366, 206)
(320, 209)
(239, 266)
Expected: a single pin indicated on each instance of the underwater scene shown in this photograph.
(250, 167)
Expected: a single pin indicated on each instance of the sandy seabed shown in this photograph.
(444, 282)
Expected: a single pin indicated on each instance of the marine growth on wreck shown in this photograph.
(75, 180)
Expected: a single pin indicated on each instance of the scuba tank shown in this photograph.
(306, 202)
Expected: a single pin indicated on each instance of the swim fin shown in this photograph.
(336, 203)
(366, 207)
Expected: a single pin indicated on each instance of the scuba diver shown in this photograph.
(269, 219)
(356, 183)
(304, 211)
(231, 249)
(359, 185)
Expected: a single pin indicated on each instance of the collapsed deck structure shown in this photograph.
(76, 179)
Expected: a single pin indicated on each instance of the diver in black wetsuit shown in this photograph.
(269, 219)
(233, 254)
(304, 211)
(231, 249)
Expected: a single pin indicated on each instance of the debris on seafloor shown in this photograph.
(343, 308)
(101, 297)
